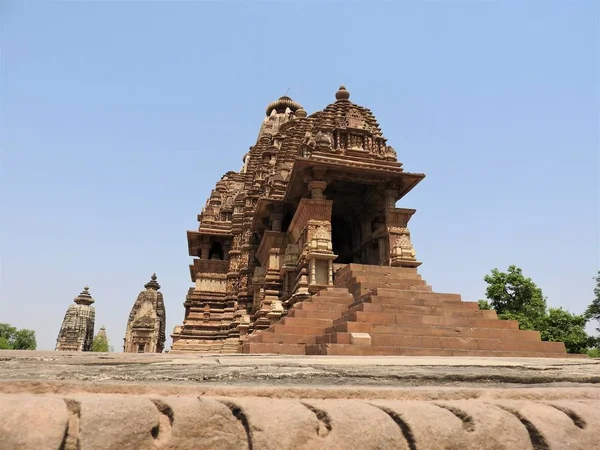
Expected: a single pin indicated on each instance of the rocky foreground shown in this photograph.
(112, 400)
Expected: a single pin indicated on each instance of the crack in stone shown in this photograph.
(404, 427)
(322, 417)
(538, 441)
(71, 438)
(240, 415)
(467, 420)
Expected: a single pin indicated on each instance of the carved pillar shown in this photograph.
(269, 254)
(310, 229)
(401, 250)
(316, 188)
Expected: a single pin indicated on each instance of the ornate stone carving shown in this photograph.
(254, 276)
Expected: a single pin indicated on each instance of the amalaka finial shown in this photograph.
(84, 298)
(152, 284)
(342, 93)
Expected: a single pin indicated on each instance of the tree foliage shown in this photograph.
(100, 344)
(593, 310)
(517, 297)
(12, 338)
(563, 326)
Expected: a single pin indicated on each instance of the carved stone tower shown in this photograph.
(77, 330)
(146, 325)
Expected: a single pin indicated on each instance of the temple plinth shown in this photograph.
(304, 251)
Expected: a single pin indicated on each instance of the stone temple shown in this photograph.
(145, 331)
(77, 330)
(303, 251)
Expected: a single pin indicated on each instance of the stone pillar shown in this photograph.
(401, 250)
(316, 188)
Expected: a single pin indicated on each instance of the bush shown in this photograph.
(13, 339)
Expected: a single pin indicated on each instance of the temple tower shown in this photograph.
(77, 330)
(145, 331)
(305, 252)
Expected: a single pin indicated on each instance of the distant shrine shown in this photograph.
(303, 251)
(77, 330)
(145, 331)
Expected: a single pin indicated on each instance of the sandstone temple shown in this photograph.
(303, 251)
(145, 332)
(77, 330)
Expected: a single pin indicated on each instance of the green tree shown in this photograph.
(100, 344)
(24, 340)
(562, 326)
(593, 310)
(4, 344)
(515, 296)
(13, 339)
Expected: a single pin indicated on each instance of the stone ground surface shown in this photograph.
(112, 400)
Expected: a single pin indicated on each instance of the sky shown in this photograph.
(117, 119)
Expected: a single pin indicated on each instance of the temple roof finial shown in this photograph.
(84, 298)
(342, 93)
(280, 105)
(152, 284)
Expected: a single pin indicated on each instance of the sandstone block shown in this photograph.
(360, 339)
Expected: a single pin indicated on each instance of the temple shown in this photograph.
(303, 251)
(77, 331)
(145, 331)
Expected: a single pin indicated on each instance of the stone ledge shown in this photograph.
(190, 422)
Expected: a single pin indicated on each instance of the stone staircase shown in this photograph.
(381, 310)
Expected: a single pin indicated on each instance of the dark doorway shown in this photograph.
(216, 251)
(341, 239)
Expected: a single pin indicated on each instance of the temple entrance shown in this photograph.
(342, 232)
(353, 223)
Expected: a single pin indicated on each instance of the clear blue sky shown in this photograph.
(117, 118)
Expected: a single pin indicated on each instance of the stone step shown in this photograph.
(306, 322)
(333, 292)
(408, 319)
(465, 343)
(376, 300)
(286, 338)
(376, 269)
(404, 293)
(452, 343)
(286, 349)
(344, 300)
(413, 285)
(309, 305)
(429, 331)
(452, 309)
(340, 280)
(315, 314)
(358, 350)
(293, 329)
(355, 284)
